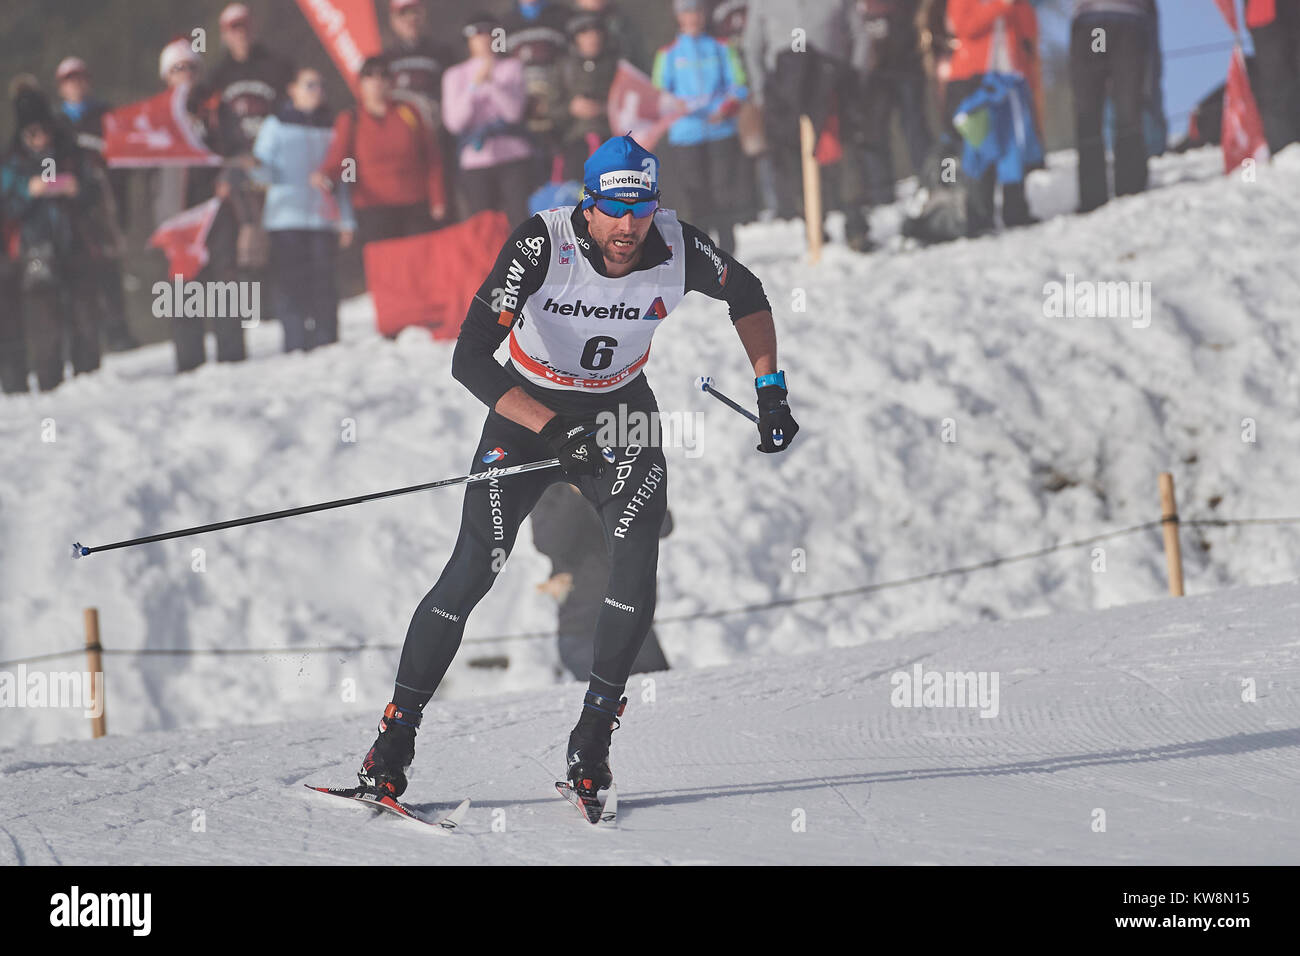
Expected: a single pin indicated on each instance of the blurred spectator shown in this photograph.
(535, 35)
(249, 81)
(727, 21)
(483, 103)
(304, 224)
(246, 87)
(815, 82)
(416, 61)
(587, 73)
(85, 114)
(991, 37)
(47, 189)
(567, 530)
(936, 44)
(622, 37)
(175, 189)
(1120, 71)
(13, 341)
(708, 76)
(755, 186)
(398, 188)
(1155, 124)
(894, 82)
(1275, 29)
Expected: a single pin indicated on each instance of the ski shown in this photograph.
(598, 812)
(387, 804)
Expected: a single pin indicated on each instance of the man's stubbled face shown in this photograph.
(619, 240)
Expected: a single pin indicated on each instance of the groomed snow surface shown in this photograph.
(1061, 426)
(1131, 719)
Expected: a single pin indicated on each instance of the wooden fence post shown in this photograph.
(1169, 520)
(95, 665)
(812, 188)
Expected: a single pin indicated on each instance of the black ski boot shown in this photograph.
(384, 768)
(588, 755)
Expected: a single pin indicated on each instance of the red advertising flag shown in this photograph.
(430, 279)
(638, 106)
(1243, 128)
(1229, 10)
(349, 31)
(156, 132)
(184, 239)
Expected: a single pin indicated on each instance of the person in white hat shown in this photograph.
(178, 64)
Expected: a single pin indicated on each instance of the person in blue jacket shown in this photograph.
(707, 74)
(305, 225)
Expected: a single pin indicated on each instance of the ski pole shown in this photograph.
(705, 383)
(79, 550)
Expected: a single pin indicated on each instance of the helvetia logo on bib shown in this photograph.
(657, 310)
(495, 455)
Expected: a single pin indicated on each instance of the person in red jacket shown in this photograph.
(990, 36)
(388, 158)
(1275, 28)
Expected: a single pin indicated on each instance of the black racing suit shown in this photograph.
(630, 497)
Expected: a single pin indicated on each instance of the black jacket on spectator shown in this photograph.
(246, 93)
(591, 78)
(541, 44)
(417, 68)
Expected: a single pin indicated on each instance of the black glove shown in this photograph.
(573, 441)
(776, 426)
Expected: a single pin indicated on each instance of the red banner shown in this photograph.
(431, 278)
(349, 31)
(155, 132)
(1243, 128)
(636, 105)
(184, 239)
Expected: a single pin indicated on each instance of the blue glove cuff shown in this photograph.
(775, 378)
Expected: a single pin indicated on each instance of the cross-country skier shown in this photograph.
(580, 291)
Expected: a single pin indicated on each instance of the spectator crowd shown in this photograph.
(493, 112)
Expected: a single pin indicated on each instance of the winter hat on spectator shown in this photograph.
(688, 6)
(178, 51)
(70, 66)
(396, 5)
(374, 66)
(582, 22)
(621, 168)
(31, 108)
(233, 14)
(480, 22)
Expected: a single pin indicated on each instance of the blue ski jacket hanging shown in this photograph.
(997, 124)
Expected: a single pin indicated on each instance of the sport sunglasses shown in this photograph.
(618, 208)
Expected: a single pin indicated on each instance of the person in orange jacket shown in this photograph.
(990, 36)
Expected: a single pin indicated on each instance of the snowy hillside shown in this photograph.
(1122, 736)
(1061, 427)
